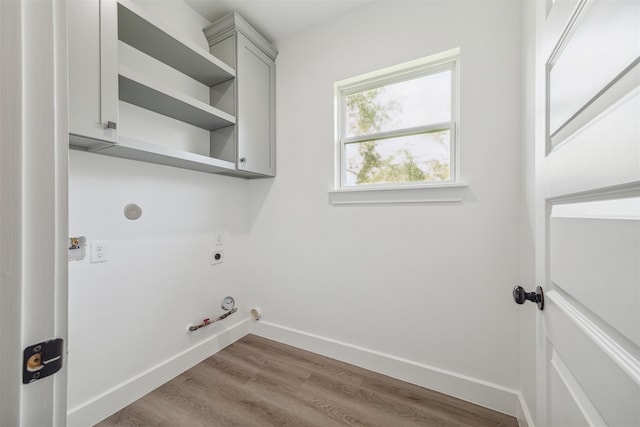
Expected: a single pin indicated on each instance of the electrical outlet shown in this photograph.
(217, 257)
(99, 252)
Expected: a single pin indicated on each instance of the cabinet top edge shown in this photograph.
(234, 22)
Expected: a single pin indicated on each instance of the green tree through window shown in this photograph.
(398, 132)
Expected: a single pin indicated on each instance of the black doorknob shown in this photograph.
(520, 296)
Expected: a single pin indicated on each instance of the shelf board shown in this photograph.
(139, 30)
(129, 148)
(136, 88)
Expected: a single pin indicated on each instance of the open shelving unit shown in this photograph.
(145, 86)
(160, 46)
(137, 29)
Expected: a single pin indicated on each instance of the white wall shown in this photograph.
(130, 314)
(429, 285)
(128, 317)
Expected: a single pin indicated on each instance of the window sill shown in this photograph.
(442, 193)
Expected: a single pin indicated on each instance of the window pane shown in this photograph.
(417, 102)
(415, 158)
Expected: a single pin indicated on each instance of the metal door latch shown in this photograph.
(41, 360)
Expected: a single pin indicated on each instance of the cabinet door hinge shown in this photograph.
(41, 360)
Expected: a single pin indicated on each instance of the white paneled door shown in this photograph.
(588, 212)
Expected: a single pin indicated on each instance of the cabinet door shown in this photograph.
(255, 77)
(93, 72)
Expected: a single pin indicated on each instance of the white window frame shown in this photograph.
(451, 190)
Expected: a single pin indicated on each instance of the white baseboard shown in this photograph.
(474, 390)
(480, 392)
(525, 418)
(99, 407)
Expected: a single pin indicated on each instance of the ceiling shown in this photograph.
(276, 19)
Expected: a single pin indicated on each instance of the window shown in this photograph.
(396, 127)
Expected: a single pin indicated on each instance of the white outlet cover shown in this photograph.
(99, 251)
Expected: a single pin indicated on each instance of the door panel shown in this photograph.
(609, 32)
(605, 153)
(596, 261)
(93, 71)
(564, 395)
(603, 383)
(255, 99)
(256, 124)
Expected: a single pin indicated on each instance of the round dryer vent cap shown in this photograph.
(132, 211)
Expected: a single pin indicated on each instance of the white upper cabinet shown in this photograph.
(141, 90)
(93, 73)
(252, 95)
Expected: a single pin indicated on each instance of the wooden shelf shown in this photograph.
(136, 88)
(138, 29)
(129, 148)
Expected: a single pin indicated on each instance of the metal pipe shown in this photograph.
(207, 321)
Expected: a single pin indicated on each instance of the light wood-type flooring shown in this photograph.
(261, 383)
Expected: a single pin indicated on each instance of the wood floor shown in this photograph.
(261, 383)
